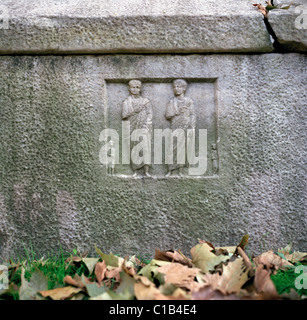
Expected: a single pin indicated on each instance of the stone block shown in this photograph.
(290, 25)
(131, 26)
(53, 187)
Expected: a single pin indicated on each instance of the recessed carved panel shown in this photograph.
(151, 104)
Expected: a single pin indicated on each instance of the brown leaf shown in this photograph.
(144, 289)
(73, 259)
(297, 256)
(293, 257)
(84, 254)
(208, 293)
(137, 262)
(234, 276)
(178, 294)
(144, 280)
(246, 260)
(172, 256)
(231, 249)
(205, 259)
(207, 242)
(263, 282)
(220, 251)
(60, 293)
(100, 271)
(269, 258)
(261, 8)
(114, 273)
(143, 292)
(76, 281)
(129, 270)
(178, 274)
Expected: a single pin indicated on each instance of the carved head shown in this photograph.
(179, 86)
(135, 87)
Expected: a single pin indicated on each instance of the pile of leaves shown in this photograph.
(212, 273)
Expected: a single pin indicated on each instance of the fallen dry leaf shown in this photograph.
(76, 281)
(204, 259)
(293, 257)
(230, 249)
(94, 289)
(90, 263)
(263, 282)
(262, 9)
(60, 293)
(178, 274)
(172, 256)
(114, 273)
(28, 289)
(270, 258)
(286, 250)
(128, 269)
(145, 290)
(73, 259)
(150, 270)
(110, 259)
(135, 261)
(208, 243)
(297, 256)
(126, 284)
(234, 276)
(100, 271)
(208, 293)
(143, 279)
(245, 258)
(178, 294)
(146, 293)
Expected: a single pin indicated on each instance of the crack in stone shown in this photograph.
(277, 46)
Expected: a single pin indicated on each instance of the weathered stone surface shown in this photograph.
(290, 26)
(132, 26)
(53, 187)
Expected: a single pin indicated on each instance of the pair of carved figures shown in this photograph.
(179, 111)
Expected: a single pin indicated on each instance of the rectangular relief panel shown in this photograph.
(195, 107)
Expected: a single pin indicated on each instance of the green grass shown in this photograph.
(144, 258)
(284, 281)
(53, 267)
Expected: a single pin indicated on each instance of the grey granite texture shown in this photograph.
(54, 189)
(290, 25)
